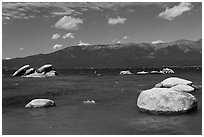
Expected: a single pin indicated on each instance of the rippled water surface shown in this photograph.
(115, 111)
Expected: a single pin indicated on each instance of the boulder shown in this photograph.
(183, 88)
(127, 72)
(142, 73)
(38, 103)
(29, 71)
(166, 101)
(45, 68)
(21, 71)
(173, 81)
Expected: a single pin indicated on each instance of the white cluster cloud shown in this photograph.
(21, 49)
(118, 20)
(158, 41)
(125, 37)
(68, 35)
(57, 46)
(68, 23)
(82, 43)
(55, 36)
(178, 10)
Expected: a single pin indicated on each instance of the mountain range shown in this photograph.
(176, 53)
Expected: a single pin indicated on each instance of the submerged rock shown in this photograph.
(183, 88)
(127, 72)
(173, 81)
(165, 101)
(21, 70)
(38, 103)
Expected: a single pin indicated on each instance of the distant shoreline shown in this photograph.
(125, 68)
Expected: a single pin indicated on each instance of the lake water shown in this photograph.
(114, 113)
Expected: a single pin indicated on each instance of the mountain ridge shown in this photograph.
(180, 52)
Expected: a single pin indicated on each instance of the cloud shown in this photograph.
(82, 43)
(118, 20)
(68, 23)
(125, 37)
(21, 49)
(55, 36)
(118, 42)
(178, 10)
(27, 10)
(57, 46)
(7, 58)
(68, 35)
(158, 41)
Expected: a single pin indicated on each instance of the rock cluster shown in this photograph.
(168, 97)
(163, 71)
(44, 71)
(126, 72)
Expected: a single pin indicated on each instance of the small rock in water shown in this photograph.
(89, 102)
(127, 72)
(142, 73)
(51, 73)
(39, 103)
(16, 84)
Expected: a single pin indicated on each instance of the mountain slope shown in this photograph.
(181, 52)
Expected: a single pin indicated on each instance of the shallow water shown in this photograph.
(115, 111)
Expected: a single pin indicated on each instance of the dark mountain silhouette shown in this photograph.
(179, 53)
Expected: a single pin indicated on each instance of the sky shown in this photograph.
(44, 27)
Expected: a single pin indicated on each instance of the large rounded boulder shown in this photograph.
(39, 103)
(165, 101)
(21, 70)
(172, 81)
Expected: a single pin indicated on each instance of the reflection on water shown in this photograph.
(114, 113)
